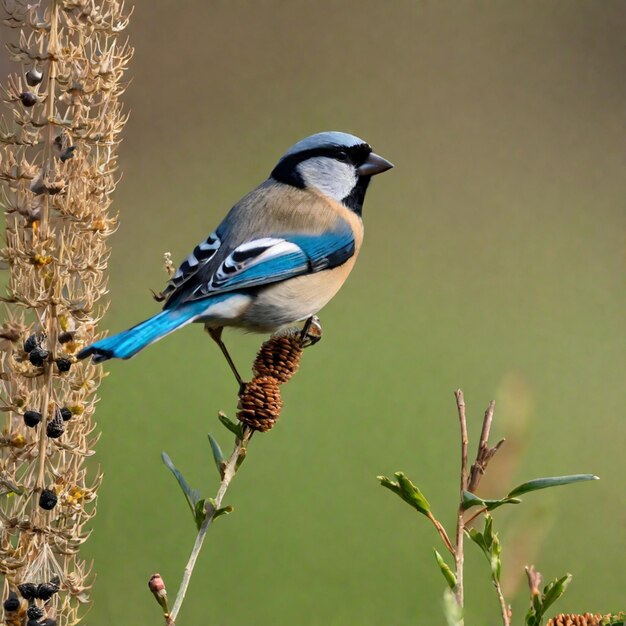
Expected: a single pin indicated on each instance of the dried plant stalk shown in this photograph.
(58, 162)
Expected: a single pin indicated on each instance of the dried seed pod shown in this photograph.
(66, 414)
(28, 591)
(63, 364)
(47, 501)
(12, 603)
(260, 403)
(33, 341)
(55, 427)
(32, 418)
(35, 612)
(46, 590)
(564, 619)
(28, 99)
(37, 356)
(67, 154)
(279, 357)
(34, 77)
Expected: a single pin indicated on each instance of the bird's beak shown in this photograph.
(374, 164)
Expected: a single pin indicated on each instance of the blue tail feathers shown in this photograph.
(127, 343)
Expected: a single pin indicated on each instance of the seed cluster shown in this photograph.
(58, 162)
(587, 619)
(277, 361)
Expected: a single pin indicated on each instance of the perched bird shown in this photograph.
(282, 252)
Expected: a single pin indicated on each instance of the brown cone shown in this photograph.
(575, 620)
(260, 403)
(279, 357)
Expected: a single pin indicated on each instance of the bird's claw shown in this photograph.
(311, 332)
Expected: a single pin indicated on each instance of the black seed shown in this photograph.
(66, 414)
(32, 418)
(63, 364)
(68, 153)
(12, 603)
(31, 343)
(37, 356)
(46, 590)
(55, 429)
(27, 590)
(48, 500)
(33, 77)
(28, 99)
(65, 337)
(47, 622)
(35, 612)
(55, 580)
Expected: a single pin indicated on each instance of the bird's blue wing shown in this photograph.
(271, 259)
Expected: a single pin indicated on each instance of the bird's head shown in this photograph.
(337, 164)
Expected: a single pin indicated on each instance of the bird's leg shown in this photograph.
(216, 335)
(311, 332)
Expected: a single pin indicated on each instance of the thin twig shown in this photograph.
(504, 609)
(480, 511)
(484, 453)
(229, 471)
(460, 525)
(442, 532)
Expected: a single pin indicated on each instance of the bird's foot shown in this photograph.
(311, 331)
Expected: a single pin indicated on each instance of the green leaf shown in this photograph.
(554, 481)
(554, 590)
(489, 543)
(218, 457)
(234, 427)
(225, 510)
(411, 494)
(451, 609)
(200, 513)
(471, 499)
(479, 540)
(541, 603)
(407, 491)
(448, 574)
(191, 495)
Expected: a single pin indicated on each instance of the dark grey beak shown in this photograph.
(375, 164)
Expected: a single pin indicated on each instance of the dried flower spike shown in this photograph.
(260, 403)
(279, 356)
(59, 134)
(575, 620)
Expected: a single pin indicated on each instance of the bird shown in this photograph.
(279, 256)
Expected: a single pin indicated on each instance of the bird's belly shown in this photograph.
(292, 300)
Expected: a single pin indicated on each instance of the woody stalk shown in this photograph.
(58, 159)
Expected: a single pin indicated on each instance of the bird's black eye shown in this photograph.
(342, 156)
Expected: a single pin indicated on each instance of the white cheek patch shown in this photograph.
(333, 178)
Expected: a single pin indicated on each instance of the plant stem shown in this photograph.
(506, 618)
(230, 469)
(460, 525)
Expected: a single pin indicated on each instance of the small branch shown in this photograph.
(504, 609)
(460, 525)
(480, 511)
(442, 532)
(484, 453)
(229, 471)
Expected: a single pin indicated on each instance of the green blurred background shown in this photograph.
(493, 261)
